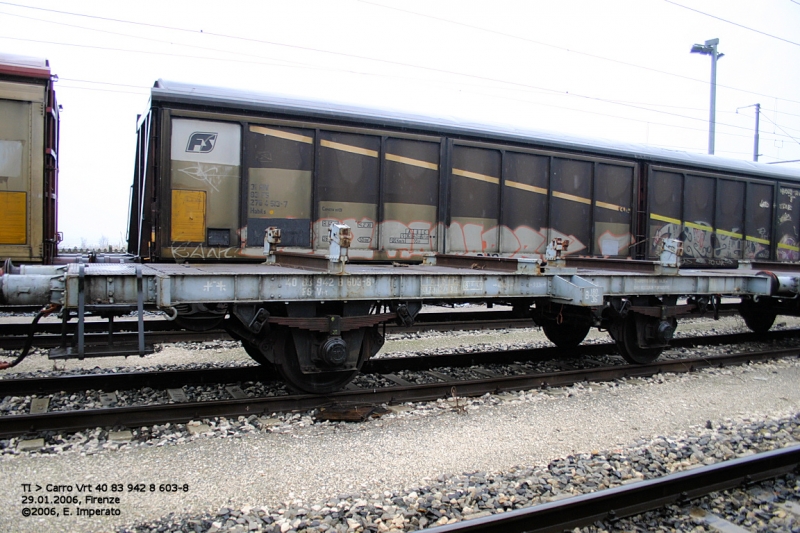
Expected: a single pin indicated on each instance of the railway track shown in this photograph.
(382, 366)
(159, 331)
(629, 500)
(352, 403)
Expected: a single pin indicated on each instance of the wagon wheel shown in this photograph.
(566, 334)
(759, 323)
(759, 320)
(295, 379)
(258, 356)
(626, 337)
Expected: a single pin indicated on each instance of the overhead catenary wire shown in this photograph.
(548, 90)
(733, 23)
(513, 85)
(571, 50)
(784, 131)
(151, 39)
(472, 92)
(387, 61)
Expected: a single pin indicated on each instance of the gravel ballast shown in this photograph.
(294, 465)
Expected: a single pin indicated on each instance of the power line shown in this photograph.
(391, 62)
(570, 50)
(558, 93)
(144, 87)
(139, 37)
(552, 91)
(99, 89)
(306, 48)
(784, 131)
(731, 22)
(620, 103)
(619, 117)
(147, 52)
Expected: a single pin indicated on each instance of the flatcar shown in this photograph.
(28, 160)
(216, 167)
(224, 178)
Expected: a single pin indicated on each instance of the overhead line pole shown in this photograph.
(710, 48)
(755, 145)
(758, 116)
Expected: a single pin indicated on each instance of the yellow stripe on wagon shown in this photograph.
(282, 134)
(612, 207)
(665, 219)
(413, 162)
(526, 187)
(476, 176)
(565, 196)
(349, 148)
(729, 234)
(698, 226)
(757, 239)
(789, 247)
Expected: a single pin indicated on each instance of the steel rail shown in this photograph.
(633, 499)
(132, 380)
(159, 331)
(13, 425)
(172, 378)
(48, 335)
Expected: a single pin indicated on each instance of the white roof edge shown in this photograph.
(24, 61)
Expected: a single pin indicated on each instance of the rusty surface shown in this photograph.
(598, 263)
(350, 413)
(499, 264)
(322, 323)
(305, 261)
(665, 310)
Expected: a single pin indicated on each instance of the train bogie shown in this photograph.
(562, 226)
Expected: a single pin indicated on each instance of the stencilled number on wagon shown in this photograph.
(358, 282)
(593, 296)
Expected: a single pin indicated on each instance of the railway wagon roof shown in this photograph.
(183, 93)
(24, 66)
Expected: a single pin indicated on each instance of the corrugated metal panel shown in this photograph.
(168, 91)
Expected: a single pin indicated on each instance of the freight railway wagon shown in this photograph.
(215, 168)
(218, 173)
(28, 160)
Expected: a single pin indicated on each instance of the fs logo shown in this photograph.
(201, 142)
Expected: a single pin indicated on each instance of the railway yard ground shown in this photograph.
(422, 464)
